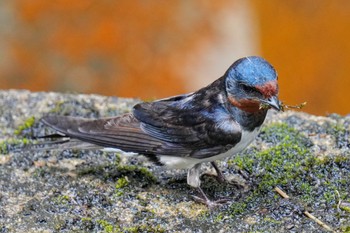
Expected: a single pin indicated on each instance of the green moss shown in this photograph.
(117, 158)
(283, 164)
(120, 184)
(28, 123)
(58, 223)
(5, 146)
(117, 171)
(110, 228)
(290, 164)
(329, 196)
(306, 190)
(345, 229)
(238, 208)
(340, 159)
(39, 172)
(62, 199)
(280, 164)
(93, 170)
(271, 220)
(219, 218)
(142, 172)
(87, 224)
(58, 107)
(144, 228)
(107, 227)
(345, 208)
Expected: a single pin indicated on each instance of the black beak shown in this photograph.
(274, 103)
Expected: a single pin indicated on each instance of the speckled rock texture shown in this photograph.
(53, 190)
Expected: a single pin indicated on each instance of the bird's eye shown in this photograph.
(248, 89)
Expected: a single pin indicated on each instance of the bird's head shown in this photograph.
(251, 84)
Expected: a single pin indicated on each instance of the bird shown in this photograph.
(184, 131)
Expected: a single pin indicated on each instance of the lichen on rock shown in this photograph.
(90, 191)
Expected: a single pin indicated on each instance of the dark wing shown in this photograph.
(122, 132)
(171, 127)
(185, 121)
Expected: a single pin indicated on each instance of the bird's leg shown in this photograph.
(219, 176)
(222, 179)
(194, 181)
(193, 176)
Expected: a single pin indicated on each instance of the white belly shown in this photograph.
(186, 162)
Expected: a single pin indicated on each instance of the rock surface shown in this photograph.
(92, 191)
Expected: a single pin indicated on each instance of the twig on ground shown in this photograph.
(306, 213)
(339, 200)
(280, 192)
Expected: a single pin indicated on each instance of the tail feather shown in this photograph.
(121, 132)
(63, 143)
(63, 123)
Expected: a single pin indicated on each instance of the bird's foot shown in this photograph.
(206, 201)
(209, 203)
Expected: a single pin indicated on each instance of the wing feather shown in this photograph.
(204, 130)
(180, 126)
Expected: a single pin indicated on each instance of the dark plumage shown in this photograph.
(186, 130)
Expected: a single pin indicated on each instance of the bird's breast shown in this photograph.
(246, 139)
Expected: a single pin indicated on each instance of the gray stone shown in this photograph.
(91, 191)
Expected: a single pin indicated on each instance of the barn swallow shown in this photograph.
(187, 130)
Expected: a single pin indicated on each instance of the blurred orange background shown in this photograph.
(153, 49)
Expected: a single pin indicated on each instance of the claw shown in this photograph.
(205, 200)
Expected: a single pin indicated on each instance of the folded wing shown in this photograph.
(167, 127)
